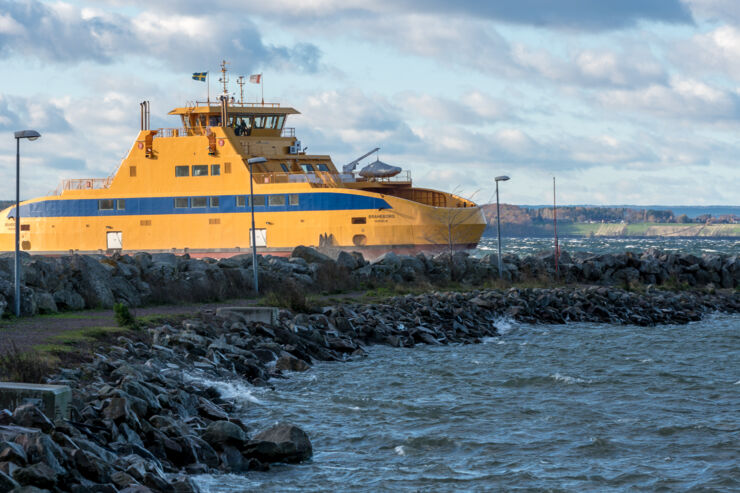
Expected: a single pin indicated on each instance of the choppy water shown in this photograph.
(597, 245)
(577, 407)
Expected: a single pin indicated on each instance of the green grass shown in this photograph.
(582, 229)
(88, 334)
(87, 314)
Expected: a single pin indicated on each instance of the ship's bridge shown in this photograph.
(247, 119)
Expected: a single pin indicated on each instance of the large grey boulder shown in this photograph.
(291, 363)
(222, 433)
(93, 279)
(347, 260)
(30, 416)
(39, 475)
(281, 443)
(45, 302)
(311, 255)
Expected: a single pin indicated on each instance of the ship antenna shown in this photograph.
(224, 77)
(240, 81)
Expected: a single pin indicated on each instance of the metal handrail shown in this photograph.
(325, 179)
(173, 132)
(235, 103)
(83, 184)
(288, 132)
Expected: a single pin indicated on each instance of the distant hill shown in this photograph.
(616, 221)
(691, 211)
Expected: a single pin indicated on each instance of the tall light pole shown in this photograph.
(30, 135)
(250, 162)
(498, 220)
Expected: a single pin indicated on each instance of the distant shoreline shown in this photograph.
(619, 230)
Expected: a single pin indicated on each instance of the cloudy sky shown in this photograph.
(628, 102)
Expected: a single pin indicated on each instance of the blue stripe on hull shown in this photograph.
(151, 206)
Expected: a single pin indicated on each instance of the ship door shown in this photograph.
(115, 240)
(260, 237)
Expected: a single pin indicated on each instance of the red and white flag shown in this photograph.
(255, 78)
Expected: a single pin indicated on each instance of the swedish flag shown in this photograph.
(201, 76)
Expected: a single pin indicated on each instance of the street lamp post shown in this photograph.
(498, 220)
(250, 162)
(30, 135)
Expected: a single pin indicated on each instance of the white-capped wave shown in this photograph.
(400, 450)
(504, 325)
(568, 380)
(232, 390)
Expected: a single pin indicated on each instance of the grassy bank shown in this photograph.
(650, 229)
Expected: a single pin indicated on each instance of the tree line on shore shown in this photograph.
(532, 216)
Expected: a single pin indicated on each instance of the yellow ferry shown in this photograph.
(187, 190)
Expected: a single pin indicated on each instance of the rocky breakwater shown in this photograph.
(92, 281)
(147, 414)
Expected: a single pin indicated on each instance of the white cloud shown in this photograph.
(683, 98)
(64, 33)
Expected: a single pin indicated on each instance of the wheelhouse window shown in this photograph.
(280, 121)
(198, 202)
(276, 200)
(182, 170)
(214, 201)
(120, 204)
(106, 204)
(307, 168)
(181, 202)
(215, 169)
(322, 167)
(241, 201)
(293, 199)
(200, 170)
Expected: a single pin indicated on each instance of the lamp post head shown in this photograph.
(27, 134)
(502, 178)
(256, 160)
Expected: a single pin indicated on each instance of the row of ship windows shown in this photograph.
(199, 202)
(202, 169)
(198, 170)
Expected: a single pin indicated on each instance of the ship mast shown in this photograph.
(241, 83)
(224, 77)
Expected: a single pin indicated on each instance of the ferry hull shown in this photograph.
(400, 225)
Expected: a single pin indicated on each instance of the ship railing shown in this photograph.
(173, 132)
(288, 132)
(325, 179)
(238, 104)
(83, 184)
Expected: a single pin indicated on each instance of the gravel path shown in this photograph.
(28, 332)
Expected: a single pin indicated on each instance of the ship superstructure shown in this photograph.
(186, 190)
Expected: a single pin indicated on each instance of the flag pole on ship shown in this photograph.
(257, 79)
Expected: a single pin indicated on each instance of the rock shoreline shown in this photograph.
(77, 282)
(147, 414)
